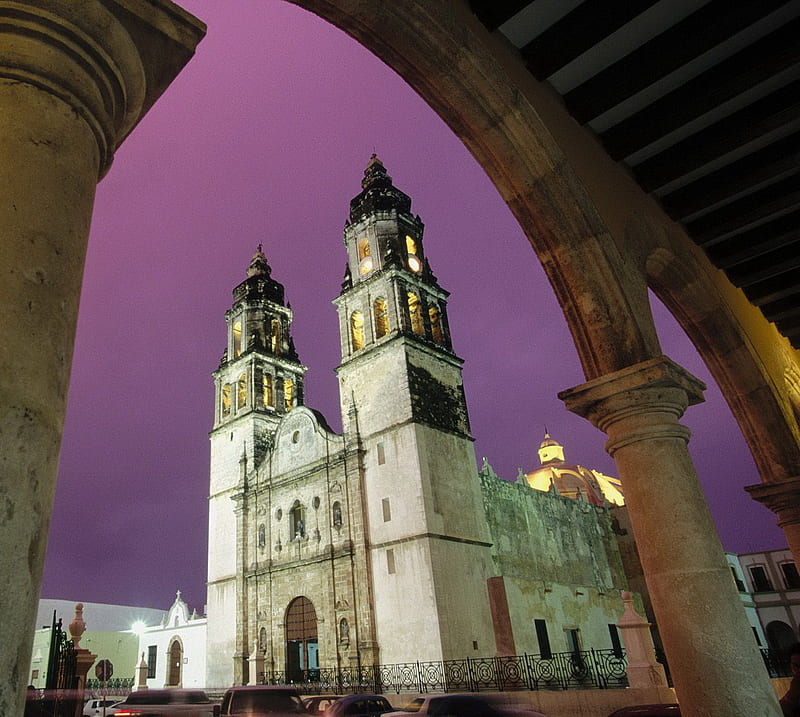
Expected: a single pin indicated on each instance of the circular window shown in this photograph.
(295, 436)
(315, 502)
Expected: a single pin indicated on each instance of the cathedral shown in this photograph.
(385, 543)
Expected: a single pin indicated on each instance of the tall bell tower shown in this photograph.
(259, 379)
(403, 402)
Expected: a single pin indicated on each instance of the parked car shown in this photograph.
(317, 704)
(165, 703)
(664, 710)
(253, 700)
(466, 705)
(359, 706)
(94, 706)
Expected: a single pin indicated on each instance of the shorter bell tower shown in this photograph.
(259, 380)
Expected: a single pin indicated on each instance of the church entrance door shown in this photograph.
(302, 659)
(175, 660)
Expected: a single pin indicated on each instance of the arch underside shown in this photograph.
(601, 240)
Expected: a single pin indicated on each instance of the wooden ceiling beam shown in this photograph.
(749, 123)
(578, 31)
(494, 13)
(752, 208)
(746, 69)
(689, 38)
(775, 159)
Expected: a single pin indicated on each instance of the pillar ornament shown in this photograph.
(658, 388)
(80, 54)
(77, 627)
(781, 497)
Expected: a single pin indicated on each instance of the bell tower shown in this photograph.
(259, 380)
(402, 401)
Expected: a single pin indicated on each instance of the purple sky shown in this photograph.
(264, 138)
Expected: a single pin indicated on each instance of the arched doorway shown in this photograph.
(780, 636)
(175, 656)
(302, 659)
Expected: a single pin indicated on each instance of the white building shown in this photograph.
(773, 580)
(174, 650)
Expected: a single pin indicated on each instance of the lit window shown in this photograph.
(411, 245)
(365, 263)
(241, 392)
(415, 314)
(237, 339)
(357, 330)
(269, 394)
(226, 400)
(436, 324)
(275, 337)
(288, 393)
(381, 313)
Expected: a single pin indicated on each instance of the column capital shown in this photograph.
(656, 387)
(108, 60)
(782, 498)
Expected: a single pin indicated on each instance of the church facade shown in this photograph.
(383, 544)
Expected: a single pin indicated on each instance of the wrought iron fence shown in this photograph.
(589, 669)
(60, 697)
(114, 686)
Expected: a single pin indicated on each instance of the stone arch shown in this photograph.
(174, 676)
(780, 636)
(301, 640)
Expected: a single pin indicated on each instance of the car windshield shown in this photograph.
(265, 702)
(414, 705)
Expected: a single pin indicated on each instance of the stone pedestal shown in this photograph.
(141, 674)
(256, 661)
(73, 83)
(643, 669)
(714, 661)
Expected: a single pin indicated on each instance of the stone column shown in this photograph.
(714, 661)
(141, 674)
(73, 83)
(783, 499)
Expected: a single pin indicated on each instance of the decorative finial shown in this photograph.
(260, 248)
(177, 595)
(77, 627)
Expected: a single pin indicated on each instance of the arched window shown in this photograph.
(275, 337)
(269, 393)
(241, 392)
(288, 393)
(297, 522)
(381, 314)
(357, 330)
(337, 514)
(262, 536)
(365, 263)
(344, 630)
(262, 639)
(226, 400)
(415, 314)
(411, 245)
(363, 249)
(237, 338)
(436, 325)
